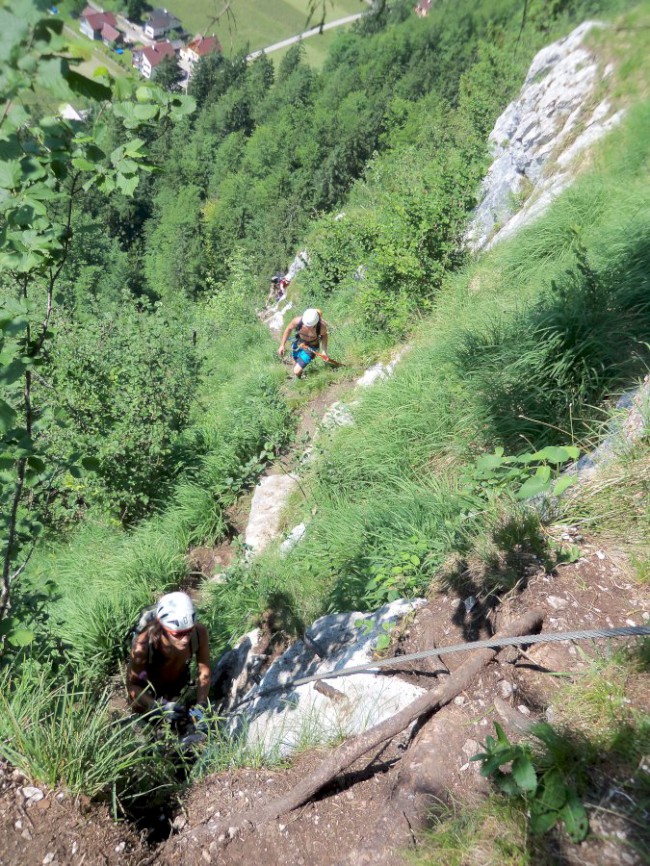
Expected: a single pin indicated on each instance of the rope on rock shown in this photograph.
(549, 637)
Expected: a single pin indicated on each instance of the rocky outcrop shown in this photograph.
(551, 124)
(269, 498)
(282, 720)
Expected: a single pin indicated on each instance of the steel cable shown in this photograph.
(549, 637)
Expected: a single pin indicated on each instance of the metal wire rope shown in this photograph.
(549, 637)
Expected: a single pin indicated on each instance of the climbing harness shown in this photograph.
(321, 355)
(549, 637)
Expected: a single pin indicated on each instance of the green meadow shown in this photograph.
(255, 23)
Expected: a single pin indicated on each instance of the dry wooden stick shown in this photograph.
(353, 749)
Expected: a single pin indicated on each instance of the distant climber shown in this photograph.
(279, 284)
(310, 335)
(159, 667)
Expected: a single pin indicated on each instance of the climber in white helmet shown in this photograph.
(310, 334)
(161, 654)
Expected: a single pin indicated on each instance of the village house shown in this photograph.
(93, 23)
(199, 47)
(149, 58)
(160, 23)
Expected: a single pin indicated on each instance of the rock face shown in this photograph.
(279, 722)
(626, 427)
(269, 499)
(551, 120)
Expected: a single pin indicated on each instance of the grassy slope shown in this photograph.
(482, 359)
(256, 22)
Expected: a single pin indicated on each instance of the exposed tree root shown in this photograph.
(353, 749)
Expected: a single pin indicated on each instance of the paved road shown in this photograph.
(313, 32)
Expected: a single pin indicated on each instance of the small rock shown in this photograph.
(600, 554)
(232, 832)
(506, 688)
(630, 622)
(33, 794)
(471, 748)
(179, 822)
(120, 847)
(74, 848)
(523, 709)
(349, 795)
(26, 835)
(282, 827)
(557, 603)
(17, 776)
(18, 825)
(49, 857)
(206, 856)
(459, 701)
(470, 603)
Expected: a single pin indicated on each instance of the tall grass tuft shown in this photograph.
(63, 735)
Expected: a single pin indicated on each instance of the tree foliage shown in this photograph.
(46, 164)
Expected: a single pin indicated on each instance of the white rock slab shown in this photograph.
(293, 538)
(380, 371)
(538, 125)
(282, 721)
(269, 498)
(298, 264)
(238, 667)
(338, 415)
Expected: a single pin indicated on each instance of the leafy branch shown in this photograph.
(46, 163)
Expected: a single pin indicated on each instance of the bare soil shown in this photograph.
(375, 812)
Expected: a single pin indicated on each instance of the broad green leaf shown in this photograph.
(383, 641)
(533, 487)
(145, 111)
(11, 174)
(143, 93)
(524, 774)
(7, 416)
(562, 483)
(12, 372)
(90, 464)
(488, 462)
(541, 822)
(127, 184)
(20, 637)
(575, 818)
(506, 783)
(36, 463)
(14, 26)
(554, 791)
(553, 454)
(83, 164)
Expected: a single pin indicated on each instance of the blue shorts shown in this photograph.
(302, 357)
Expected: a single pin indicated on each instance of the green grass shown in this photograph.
(492, 834)
(257, 23)
(316, 48)
(64, 736)
(505, 359)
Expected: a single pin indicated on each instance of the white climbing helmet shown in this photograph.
(310, 317)
(175, 611)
